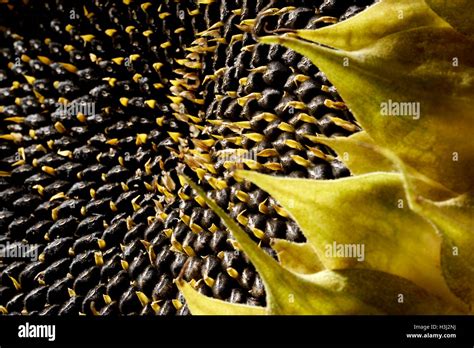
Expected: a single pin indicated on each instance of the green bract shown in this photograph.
(458, 13)
(409, 209)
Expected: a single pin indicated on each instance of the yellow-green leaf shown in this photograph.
(362, 222)
(384, 18)
(359, 153)
(200, 304)
(287, 292)
(388, 293)
(458, 13)
(326, 292)
(455, 220)
(297, 257)
(412, 92)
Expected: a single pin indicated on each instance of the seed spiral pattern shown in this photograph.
(103, 104)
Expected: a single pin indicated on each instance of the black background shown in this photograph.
(292, 331)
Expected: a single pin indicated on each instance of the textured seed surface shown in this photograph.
(104, 104)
